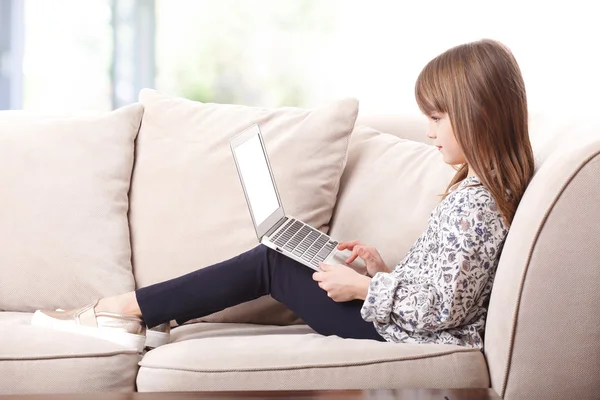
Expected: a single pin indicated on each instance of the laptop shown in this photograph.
(283, 233)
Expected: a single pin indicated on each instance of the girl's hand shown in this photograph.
(342, 283)
(368, 254)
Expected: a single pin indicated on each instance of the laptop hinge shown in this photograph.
(276, 226)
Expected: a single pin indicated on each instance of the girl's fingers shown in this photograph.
(351, 258)
(355, 253)
(348, 245)
(365, 253)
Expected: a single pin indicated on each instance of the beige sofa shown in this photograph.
(95, 205)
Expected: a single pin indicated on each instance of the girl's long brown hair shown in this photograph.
(479, 85)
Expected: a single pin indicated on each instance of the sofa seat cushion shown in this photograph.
(39, 360)
(210, 356)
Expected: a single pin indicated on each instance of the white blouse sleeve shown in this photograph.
(468, 241)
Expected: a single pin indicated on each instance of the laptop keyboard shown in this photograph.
(304, 241)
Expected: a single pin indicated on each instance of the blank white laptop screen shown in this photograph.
(257, 179)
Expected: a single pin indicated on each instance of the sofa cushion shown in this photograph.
(39, 360)
(408, 126)
(15, 318)
(388, 190)
(63, 210)
(188, 209)
(209, 357)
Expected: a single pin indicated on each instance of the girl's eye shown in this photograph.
(435, 119)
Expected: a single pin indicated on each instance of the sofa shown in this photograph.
(97, 204)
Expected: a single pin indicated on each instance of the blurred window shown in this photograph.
(67, 55)
(99, 53)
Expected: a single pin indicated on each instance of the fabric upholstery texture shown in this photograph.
(187, 204)
(557, 326)
(39, 360)
(408, 127)
(64, 231)
(543, 306)
(242, 357)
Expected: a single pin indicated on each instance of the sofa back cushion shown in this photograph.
(388, 190)
(188, 209)
(409, 126)
(64, 237)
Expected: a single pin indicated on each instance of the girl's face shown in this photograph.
(440, 131)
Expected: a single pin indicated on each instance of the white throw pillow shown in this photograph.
(188, 209)
(64, 235)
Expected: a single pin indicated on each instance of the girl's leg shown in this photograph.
(250, 275)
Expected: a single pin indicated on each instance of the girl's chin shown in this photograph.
(451, 161)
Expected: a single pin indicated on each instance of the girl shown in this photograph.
(474, 97)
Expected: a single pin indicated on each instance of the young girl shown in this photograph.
(474, 97)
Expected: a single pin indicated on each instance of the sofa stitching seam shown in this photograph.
(66, 357)
(306, 366)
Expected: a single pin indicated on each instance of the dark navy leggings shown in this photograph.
(250, 275)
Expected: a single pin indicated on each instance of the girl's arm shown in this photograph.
(460, 271)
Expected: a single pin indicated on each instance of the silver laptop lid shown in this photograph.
(257, 179)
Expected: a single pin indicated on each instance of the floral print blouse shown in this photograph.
(440, 291)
